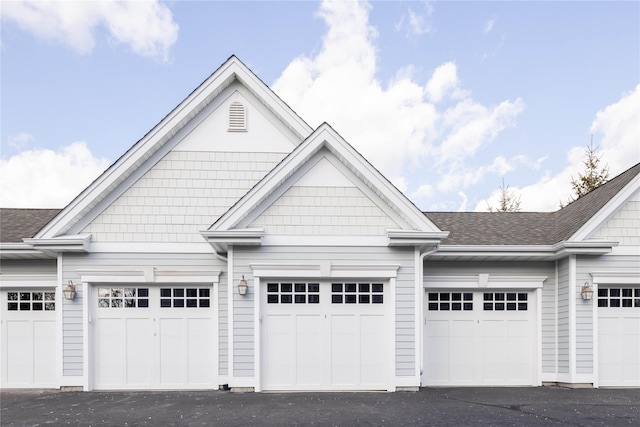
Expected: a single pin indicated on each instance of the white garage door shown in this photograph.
(479, 338)
(28, 338)
(324, 336)
(619, 337)
(154, 338)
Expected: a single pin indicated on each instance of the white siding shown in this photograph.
(72, 344)
(183, 194)
(324, 211)
(624, 225)
(243, 314)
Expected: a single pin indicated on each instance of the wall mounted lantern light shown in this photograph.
(586, 291)
(69, 291)
(243, 286)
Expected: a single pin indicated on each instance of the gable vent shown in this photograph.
(237, 117)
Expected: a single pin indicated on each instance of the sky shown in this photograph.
(449, 100)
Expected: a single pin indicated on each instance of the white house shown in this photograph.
(348, 285)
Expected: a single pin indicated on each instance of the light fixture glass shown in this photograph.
(586, 292)
(243, 286)
(69, 291)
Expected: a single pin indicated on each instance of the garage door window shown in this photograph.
(288, 293)
(31, 301)
(510, 301)
(360, 293)
(455, 301)
(123, 297)
(619, 297)
(185, 297)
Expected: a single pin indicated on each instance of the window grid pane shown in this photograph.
(619, 297)
(185, 297)
(505, 301)
(31, 301)
(293, 293)
(357, 293)
(446, 301)
(122, 297)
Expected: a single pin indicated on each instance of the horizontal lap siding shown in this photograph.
(72, 317)
(243, 318)
(584, 309)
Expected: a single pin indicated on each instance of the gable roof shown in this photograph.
(16, 224)
(155, 141)
(229, 228)
(530, 228)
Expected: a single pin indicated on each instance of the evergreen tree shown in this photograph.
(593, 176)
(509, 201)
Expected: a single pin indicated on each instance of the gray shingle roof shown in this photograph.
(16, 224)
(528, 228)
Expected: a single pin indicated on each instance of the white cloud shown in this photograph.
(415, 23)
(395, 126)
(488, 26)
(618, 129)
(20, 141)
(444, 81)
(146, 26)
(48, 179)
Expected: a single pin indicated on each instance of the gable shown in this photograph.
(306, 171)
(160, 140)
(209, 168)
(624, 225)
(324, 202)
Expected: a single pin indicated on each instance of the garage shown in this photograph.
(324, 336)
(474, 338)
(154, 337)
(28, 338)
(619, 336)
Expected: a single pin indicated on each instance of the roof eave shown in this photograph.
(78, 243)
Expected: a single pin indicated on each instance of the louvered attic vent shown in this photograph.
(237, 117)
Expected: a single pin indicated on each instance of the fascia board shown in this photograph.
(484, 281)
(556, 251)
(608, 210)
(627, 277)
(21, 250)
(168, 126)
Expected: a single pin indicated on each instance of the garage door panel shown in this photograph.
(111, 348)
(151, 338)
(619, 336)
(308, 350)
(334, 337)
(139, 345)
(279, 350)
(372, 349)
(344, 350)
(476, 338)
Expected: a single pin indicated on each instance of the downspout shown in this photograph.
(420, 302)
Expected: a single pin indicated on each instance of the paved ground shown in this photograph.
(547, 406)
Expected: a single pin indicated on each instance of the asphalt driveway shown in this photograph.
(430, 406)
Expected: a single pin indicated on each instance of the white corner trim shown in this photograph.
(484, 281)
(326, 270)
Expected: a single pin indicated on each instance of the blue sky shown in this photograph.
(447, 99)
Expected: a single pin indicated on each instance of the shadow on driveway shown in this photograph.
(429, 406)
